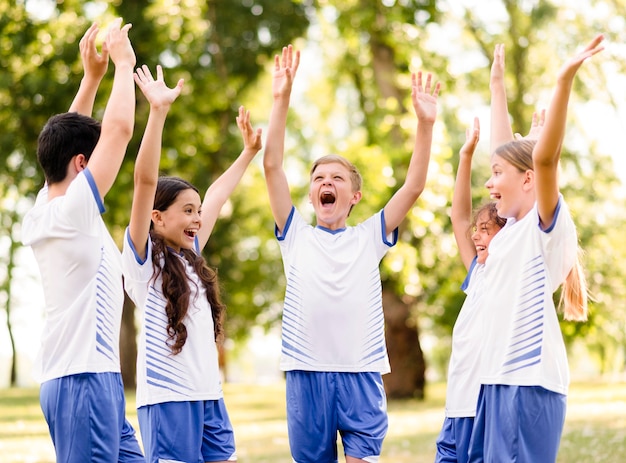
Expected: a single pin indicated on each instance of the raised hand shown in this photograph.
(118, 44)
(285, 68)
(497, 67)
(569, 69)
(251, 138)
(536, 126)
(471, 139)
(158, 94)
(95, 64)
(424, 97)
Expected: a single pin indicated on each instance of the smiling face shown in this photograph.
(512, 181)
(180, 222)
(332, 193)
(483, 232)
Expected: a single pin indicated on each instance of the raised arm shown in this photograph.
(220, 190)
(462, 197)
(95, 67)
(146, 174)
(547, 152)
(119, 115)
(285, 68)
(501, 131)
(424, 98)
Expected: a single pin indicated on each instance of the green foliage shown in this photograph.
(356, 65)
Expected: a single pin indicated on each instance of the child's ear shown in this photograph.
(157, 217)
(356, 197)
(529, 180)
(80, 162)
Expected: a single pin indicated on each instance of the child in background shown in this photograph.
(81, 395)
(333, 338)
(463, 384)
(524, 372)
(181, 410)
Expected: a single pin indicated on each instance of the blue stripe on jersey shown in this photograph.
(295, 337)
(163, 369)
(104, 309)
(94, 189)
(374, 344)
(527, 334)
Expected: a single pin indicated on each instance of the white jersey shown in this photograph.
(523, 343)
(333, 315)
(193, 374)
(463, 383)
(82, 281)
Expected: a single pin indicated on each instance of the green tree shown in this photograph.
(220, 48)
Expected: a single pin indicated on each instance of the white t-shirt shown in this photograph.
(463, 383)
(523, 343)
(193, 374)
(333, 315)
(82, 281)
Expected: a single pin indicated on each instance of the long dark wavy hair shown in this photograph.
(176, 287)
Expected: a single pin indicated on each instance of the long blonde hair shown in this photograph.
(574, 292)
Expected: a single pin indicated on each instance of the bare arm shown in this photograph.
(220, 190)
(285, 69)
(501, 131)
(119, 115)
(462, 197)
(425, 103)
(547, 152)
(146, 174)
(95, 67)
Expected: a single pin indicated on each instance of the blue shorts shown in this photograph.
(517, 423)
(196, 431)
(86, 418)
(453, 441)
(320, 404)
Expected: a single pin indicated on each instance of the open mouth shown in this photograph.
(191, 233)
(327, 198)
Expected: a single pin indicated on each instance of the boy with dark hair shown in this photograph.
(81, 395)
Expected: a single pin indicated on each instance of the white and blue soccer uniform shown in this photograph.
(523, 344)
(81, 274)
(165, 378)
(463, 383)
(333, 322)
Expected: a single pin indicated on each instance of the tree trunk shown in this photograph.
(408, 368)
(128, 345)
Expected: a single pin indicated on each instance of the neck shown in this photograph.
(58, 189)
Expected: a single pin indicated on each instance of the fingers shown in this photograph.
(418, 87)
(287, 60)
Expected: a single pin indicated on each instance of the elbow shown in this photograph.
(120, 129)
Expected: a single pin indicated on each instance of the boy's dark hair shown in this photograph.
(175, 282)
(63, 137)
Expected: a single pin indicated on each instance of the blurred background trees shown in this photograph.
(351, 97)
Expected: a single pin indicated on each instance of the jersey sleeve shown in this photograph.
(560, 244)
(81, 203)
(137, 271)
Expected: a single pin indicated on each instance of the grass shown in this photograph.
(595, 428)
